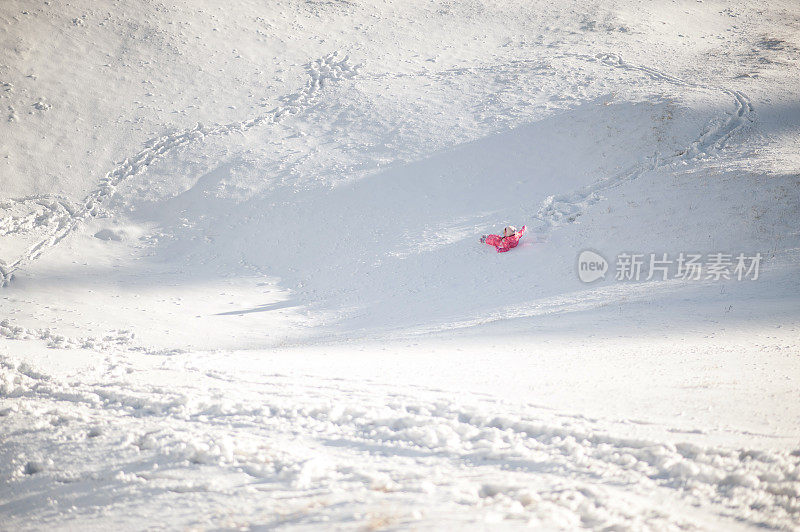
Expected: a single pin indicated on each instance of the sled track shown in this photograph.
(62, 217)
(566, 208)
(521, 446)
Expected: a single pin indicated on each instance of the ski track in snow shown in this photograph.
(561, 209)
(235, 430)
(61, 217)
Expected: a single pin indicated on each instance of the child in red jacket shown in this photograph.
(509, 240)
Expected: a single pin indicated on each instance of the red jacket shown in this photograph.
(504, 243)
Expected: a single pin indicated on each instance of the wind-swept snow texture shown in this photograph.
(243, 286)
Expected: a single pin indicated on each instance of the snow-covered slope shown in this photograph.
(243, 285)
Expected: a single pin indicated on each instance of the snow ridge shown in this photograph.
(62, 218)
(234, 433)
(114, 340)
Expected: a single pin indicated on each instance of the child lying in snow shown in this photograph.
(509, 240)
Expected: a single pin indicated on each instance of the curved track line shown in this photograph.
(566, 208)
(329, 68)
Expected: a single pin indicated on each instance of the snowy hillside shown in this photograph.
(243, 285)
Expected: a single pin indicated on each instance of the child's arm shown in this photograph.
(493, 240)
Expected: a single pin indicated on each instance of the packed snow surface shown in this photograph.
(243, 285)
